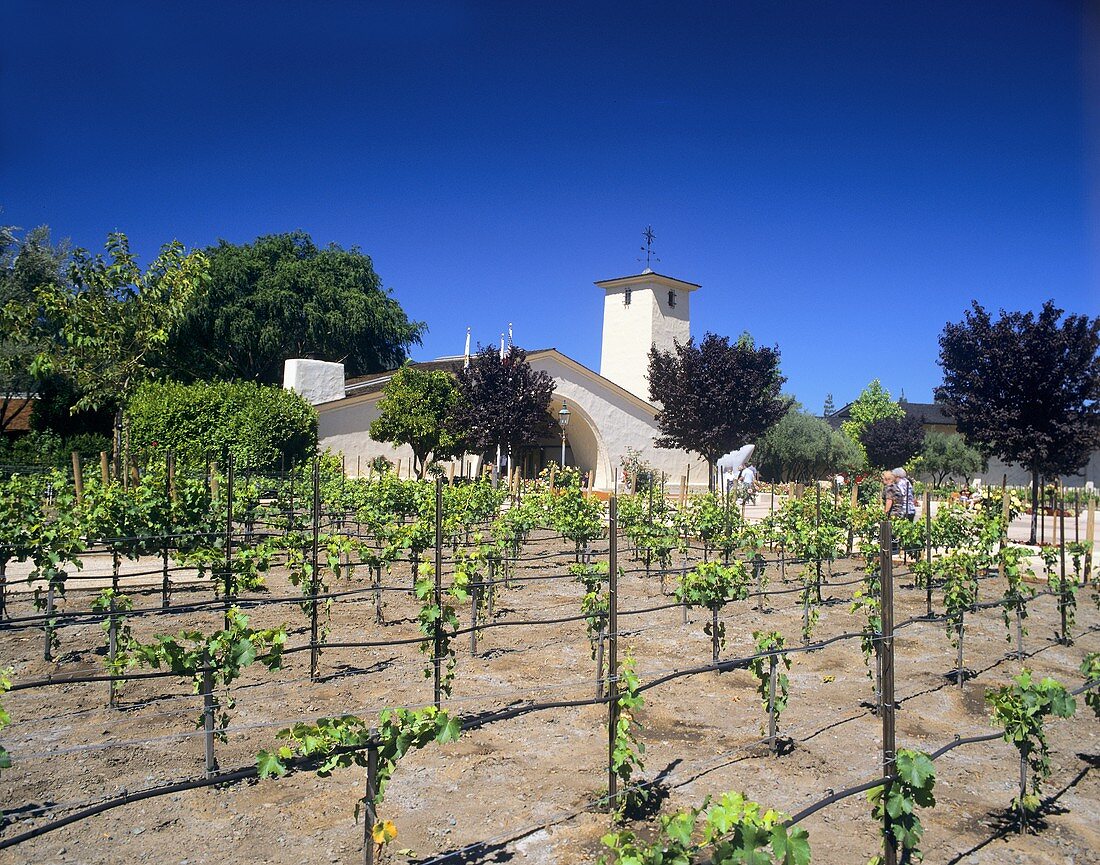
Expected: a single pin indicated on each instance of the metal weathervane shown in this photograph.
(648, 248)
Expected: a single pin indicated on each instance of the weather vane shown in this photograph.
(648, 248)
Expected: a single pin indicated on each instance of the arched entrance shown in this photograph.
(583, 448)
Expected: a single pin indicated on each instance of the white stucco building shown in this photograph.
(609, 410)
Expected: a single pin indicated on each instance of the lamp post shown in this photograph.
(563, 422)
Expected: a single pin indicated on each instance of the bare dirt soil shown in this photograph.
(521, 790)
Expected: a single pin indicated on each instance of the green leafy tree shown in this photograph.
(1025, 387)
(715, 396)
(25, 264)
(873, 404)
(803, 448)
(263, 427)
(106, 326)
(282, 296)
(415, 409)
(946, 456)
(502, 401)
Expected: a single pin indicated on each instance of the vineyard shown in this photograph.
(311, 668)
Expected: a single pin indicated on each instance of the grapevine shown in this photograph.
(222, 655)
(5, 716)
(1090, 669)
(1019, 709)
(440, 619)
(760, 667)
(912, 789)
(116, 631)
(735, 831)
(711, 585)
(342, 742)
(628, 750)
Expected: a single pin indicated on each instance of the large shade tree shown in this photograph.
(945, 455)
(502, 402)
(283, 296)
(804, 448)
(103, 327)
(415, 409)
(1025, 387)
(715, 396)
(26, 262)
(891, 441)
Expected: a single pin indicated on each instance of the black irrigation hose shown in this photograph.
(474, 723)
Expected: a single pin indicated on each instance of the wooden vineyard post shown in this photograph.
(928, 552)
(817, 541)
(1090, 535)
(886, 705)
(475, 599)
(773, 662)
(112, 652)
(1063, 599)
(78, 477)
(208, 714)
(104, 468)
(612, 650)
(437, 634)
(314, 559)
(169, 498)
(228, 590)
(1005, 512)
(854, 502)
(370, 811)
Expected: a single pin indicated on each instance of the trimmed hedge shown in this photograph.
(260, 425)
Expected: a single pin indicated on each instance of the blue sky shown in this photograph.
(841, 177)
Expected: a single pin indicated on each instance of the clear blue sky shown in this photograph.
(828, 171)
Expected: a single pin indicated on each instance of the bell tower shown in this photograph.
(639, 312)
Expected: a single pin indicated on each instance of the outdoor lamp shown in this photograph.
(563, 422)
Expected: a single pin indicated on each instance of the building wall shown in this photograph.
(603, 424)
(630, 331)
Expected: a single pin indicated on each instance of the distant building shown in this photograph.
(609, 411)
(933, 417)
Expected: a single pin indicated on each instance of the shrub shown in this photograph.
(47, 448)
(260, 425)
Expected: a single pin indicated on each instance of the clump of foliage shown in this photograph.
(341, 742)
(1020, 710)
(221, 656)
(912, 789)
(733, 831)
(628, 751)
(262, 426)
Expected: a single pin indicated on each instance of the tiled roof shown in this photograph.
(925, 412)
(373, 383)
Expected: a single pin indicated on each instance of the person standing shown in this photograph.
(908, 496)
(748, 484)
(892, 502)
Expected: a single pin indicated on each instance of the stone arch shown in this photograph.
(584, 440)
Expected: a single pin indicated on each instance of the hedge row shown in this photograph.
(262, 426)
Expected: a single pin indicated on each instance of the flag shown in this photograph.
(466, 363)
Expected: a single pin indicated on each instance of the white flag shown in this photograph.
(466, 364)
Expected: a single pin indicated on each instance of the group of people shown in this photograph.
(898, 497)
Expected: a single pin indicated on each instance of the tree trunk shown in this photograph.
(710, 474)
(1034, 504)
